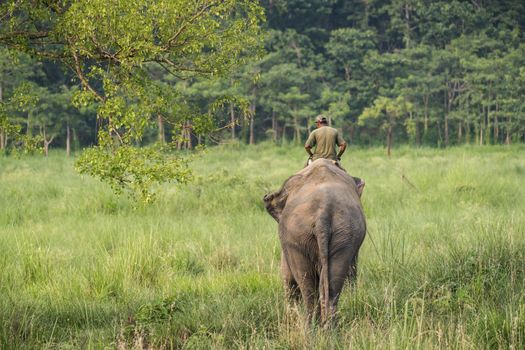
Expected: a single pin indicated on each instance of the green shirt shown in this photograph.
(325, 140)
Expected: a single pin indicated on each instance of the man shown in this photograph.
(326, 139)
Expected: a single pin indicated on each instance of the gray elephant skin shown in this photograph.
(321, 227)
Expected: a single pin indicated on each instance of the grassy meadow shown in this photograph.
(442, 266)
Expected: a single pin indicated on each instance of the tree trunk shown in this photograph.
(2, 131)
(252, 123)
(181, 138)
(189, 144)
(243, 134)
(68, 139)
(274, 127)
(487, 117)
(447, 104)
(467, 124)
(232, 120)
(347, 73)
(425, 127)
(460, 132)
(476, 134)
(179, 141)
(446, 130)
(467, 132)
(507, 131)
(418, 132)
(482, 126)
(389, 140)
(298, 54)
(46, 141)
(496, 124)
(160, 126)
(46, 146)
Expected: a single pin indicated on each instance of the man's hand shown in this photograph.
(309, 151)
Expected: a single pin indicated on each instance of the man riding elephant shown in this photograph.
(326, 139)
(321, 228)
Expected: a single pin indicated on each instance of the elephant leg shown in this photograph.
(306, 278)
(309, 287)
(338, 273)
(352, 271)
(291, 288)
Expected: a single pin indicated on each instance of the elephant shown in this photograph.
(321, 228)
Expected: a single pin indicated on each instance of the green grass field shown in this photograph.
(442, 266)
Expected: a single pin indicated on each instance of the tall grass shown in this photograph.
(442, 266)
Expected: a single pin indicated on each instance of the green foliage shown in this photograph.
(136, 170)
(336, 104)
(387, 110)
(110, 46)
(23, 99)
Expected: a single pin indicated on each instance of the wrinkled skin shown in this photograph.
(321, 227)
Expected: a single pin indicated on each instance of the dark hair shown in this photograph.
(321, 119)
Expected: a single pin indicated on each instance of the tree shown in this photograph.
(17, 97)
(388, 111)
(419, 85)
(110, 46)
(335, 104)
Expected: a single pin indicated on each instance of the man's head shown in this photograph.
(320, 120)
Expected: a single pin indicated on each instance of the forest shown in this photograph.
(436, 73)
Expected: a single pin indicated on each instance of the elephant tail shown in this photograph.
(323, 239)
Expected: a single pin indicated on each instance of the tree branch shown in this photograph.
(83, 79)
(183, 27)
(172, 64)
(170, 72)
(29, 35)
(104, 54)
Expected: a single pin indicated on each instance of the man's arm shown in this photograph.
(309, 144)
(342, 149)
(309, 150)
(342, 145)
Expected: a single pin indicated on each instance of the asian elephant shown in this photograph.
(321, 227)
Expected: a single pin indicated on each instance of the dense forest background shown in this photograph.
(435, 73)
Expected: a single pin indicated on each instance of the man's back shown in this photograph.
(325, 139)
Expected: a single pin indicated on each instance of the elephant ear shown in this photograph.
(275, 202)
